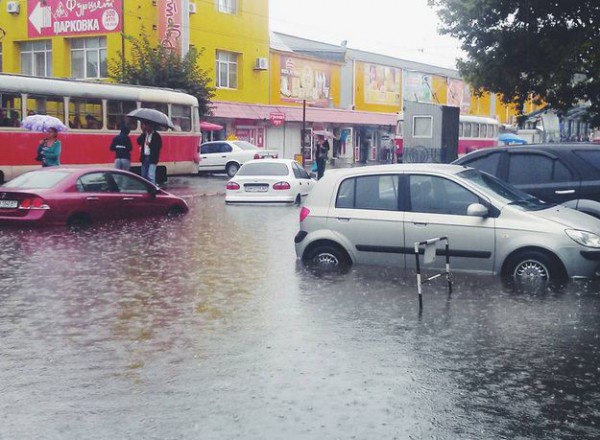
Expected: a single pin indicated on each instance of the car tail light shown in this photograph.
(281, 186)
(257, 156)
(233, 186)
(33, 203)
(304, 213)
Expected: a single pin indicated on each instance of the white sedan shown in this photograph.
(269, 181)
(228, 156)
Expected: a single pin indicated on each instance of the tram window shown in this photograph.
(475, 130)
(116, 113)
(484, 130)
(182, 117)
(85, 114)
(467, 130)
(460, 129)
(46, 105)
(157, 106)
(10, 110)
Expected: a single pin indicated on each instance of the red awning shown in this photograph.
(236, 110)
(209, 126)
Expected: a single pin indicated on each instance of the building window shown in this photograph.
(227, 6)
(36, 58)
(227, 70)
(88, 57)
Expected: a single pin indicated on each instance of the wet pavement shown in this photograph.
(206, 327)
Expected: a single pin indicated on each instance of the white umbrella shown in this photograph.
(42, 123)
(151, 115)
(322, 133)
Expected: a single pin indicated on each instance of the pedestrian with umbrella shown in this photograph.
(48, 151)
(150, 141)
(150, 144)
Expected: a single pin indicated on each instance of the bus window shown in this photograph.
(475, 130)
(116, 111)
(10, 110)
(467, 130)
(46, 105)
(182, 117)
(85, 113)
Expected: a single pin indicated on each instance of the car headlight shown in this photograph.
(584, 238)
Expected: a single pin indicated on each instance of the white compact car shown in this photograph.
(376, 214)
(269, 181)
(228, 156)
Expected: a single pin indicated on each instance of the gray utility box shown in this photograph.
(430, 132)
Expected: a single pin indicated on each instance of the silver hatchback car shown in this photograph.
(376, 214)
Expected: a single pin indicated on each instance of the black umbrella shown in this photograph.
(151, 115)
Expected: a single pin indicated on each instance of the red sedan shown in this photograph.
(81, 196)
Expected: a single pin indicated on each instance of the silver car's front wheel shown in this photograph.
(534, 266)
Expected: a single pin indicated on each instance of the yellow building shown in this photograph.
(46, 38)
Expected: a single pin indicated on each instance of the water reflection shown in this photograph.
(207, 327)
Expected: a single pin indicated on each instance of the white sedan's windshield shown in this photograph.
(499, 189)
(245, 145)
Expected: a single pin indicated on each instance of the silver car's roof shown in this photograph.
(447, 169)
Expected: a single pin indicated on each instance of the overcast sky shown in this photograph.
(404, 29)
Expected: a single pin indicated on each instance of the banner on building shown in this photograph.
(48, 18)
(418, 87)
(383, 84)
(170, 24)
(304, 80)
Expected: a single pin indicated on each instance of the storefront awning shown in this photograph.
(261, 112)
(209, 126)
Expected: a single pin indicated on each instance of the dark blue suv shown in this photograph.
(567, 174)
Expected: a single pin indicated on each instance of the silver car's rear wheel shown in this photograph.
(328, 257)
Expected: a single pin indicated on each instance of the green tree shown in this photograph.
(162, 67)
(521, 49)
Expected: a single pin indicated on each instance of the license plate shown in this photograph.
(257, 188)
(8, 203)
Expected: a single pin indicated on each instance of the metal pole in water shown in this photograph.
(419, 287)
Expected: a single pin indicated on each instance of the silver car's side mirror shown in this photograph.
(477, 210)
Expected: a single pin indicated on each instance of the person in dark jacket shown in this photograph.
(121, 145)
(150, 143)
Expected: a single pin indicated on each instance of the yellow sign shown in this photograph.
(382, 84)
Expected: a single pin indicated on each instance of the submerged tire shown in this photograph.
(232, 168)
(175, 211)
(79, 222)
(328, 257)
(534, 266)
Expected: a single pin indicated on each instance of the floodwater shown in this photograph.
(206, 327)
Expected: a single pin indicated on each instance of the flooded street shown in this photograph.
(206, 327)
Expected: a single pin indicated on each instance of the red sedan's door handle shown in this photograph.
(128, 199)
(92, 198)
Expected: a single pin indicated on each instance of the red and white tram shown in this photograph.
(92, 111)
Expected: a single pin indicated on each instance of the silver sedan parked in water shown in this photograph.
(376, 214)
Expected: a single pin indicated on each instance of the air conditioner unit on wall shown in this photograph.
(261, 64)
(192, 8)
(12, 7)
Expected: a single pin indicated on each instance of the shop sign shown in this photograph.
(382, 84)
(303, 80)
(277, 118)
(49, 18)
(170, 30)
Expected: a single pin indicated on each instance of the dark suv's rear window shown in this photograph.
(591, 157)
